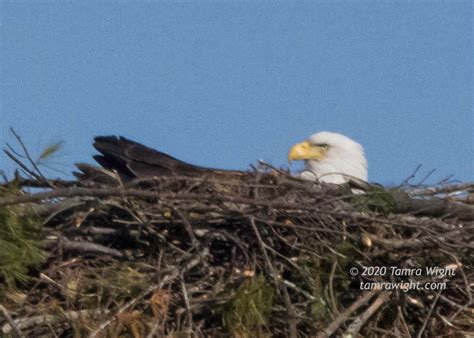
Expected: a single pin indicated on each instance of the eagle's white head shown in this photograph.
(331, 158)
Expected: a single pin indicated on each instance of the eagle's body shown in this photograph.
(131, 160)
(329, 157)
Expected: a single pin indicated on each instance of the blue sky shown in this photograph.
(225, 83)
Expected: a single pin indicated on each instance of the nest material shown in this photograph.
(266, 255)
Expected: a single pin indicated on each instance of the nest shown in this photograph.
(267, 255)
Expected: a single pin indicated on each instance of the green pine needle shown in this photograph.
(50, 150)
(19, 242)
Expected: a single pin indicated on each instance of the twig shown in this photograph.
(263, 248)
(298, 289)
(27, 154)
(431, 172)
(268, 165)
(11, 322)
(344, 316)
(84, 247)
(292, 322)
(412, 175)
(189, 314)
(34, 183)
(403, 321)
(428, 316)
(24, 167)
(443, 189)
(331, 289)
(187, 226)
(359, 321)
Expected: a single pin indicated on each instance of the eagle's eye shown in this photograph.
(323, 146)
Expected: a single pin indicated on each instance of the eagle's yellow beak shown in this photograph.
(305, 151)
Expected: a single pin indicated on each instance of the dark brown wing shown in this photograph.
(134, 160)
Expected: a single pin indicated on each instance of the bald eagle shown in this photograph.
(329, 157)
